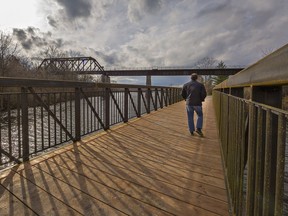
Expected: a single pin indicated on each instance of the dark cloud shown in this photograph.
(76, 8)
(27, 44)
(111, 59)
(51, 21)
(39, 41)
(32, 38)
(31, 30)
(58, 42)
(137, 9)
(152, 5)
(210, 7)
(20, 34)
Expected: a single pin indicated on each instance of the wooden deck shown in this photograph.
(149, 166)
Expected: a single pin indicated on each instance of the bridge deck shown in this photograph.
(149, 166)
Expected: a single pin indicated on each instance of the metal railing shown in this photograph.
(45, 114)
(253, 139)
(252, 121)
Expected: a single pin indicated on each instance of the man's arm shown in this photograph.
(184, 93)
(203, 93)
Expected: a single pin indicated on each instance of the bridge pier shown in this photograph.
(148, 80)
(104, 78)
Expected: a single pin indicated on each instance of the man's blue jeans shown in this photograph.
(190, 112)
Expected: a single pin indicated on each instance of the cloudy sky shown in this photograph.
(150, 33)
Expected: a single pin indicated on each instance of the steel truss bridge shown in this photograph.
(89, 65)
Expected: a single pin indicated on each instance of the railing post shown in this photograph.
(156, 104)
(161, 99)
(139, 102)
(77, 114)
(259, 163)
(25, 124)
(267, 198)
(169, 96)
(126, 104)
(166, 98)
(280, 166)
(148, 99)
(107, 109)
(251, 161)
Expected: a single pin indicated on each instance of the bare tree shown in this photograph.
(266, 52)
(218, 79)
(207, 62)
(53, 52)
(8, 52)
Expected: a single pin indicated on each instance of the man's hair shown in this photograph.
(194, 76)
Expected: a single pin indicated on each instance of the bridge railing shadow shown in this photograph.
(252, 120)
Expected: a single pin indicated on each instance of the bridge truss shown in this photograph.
(73, 64)
(89, 65)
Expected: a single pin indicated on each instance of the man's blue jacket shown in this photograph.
(194, 93)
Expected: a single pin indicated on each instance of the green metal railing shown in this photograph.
(252, 120)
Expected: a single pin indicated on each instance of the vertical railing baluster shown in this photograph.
(42, 124)
(83, 120)
(126, 104)
(107, 109)
(242, 159)
(139, 102)
(49, 122)
(18, 127)
(251, 161)
(161, 99)
(66, 116)
(55, 125)
(35, 123)
(267, 166)
(148, 95)
(60, 116)
(169, 96)
(9, 124)
(25, 123)
(77, 114)
(166, 97)
(156, 94)
(71, 112)
(280, 165)
(259, 165)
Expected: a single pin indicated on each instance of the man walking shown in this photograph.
(194, 93)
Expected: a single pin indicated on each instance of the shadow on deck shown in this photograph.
(149, 166)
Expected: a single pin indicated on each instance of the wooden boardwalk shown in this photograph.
(149, 166)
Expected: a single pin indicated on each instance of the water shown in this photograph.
(46, 133)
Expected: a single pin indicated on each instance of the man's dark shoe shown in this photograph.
(199, 132)
(192, 133)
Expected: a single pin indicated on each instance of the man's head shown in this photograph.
(194, 76)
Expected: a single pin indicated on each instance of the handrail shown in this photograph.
(270, 70)
(252, 119)
(23, 82)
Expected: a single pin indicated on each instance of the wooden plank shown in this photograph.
(14, 206)
(33, 197)
(136, 197)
